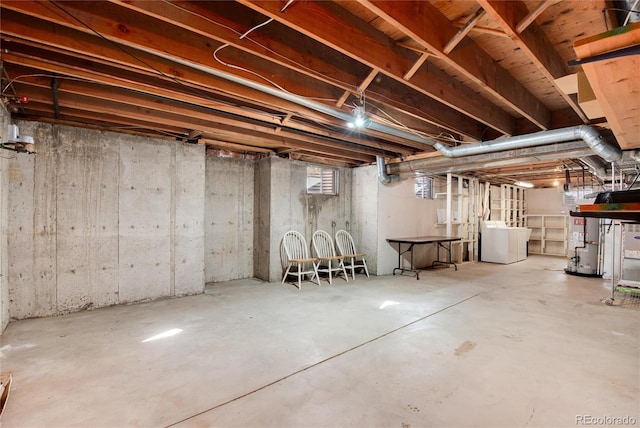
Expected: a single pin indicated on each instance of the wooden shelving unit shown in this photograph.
(457, 214)
(549, 234)
(507, 204)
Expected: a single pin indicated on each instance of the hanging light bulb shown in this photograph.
(359, 120)
(359, 115)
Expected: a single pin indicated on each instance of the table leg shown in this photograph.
(448, 250)
(400, 268)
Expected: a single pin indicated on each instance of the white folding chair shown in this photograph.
(297, 253)
(347, 249)
(327, 260)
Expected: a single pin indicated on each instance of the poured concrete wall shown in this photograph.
(262, 220)
(289, 207)
(4, 215)
(229, 219)
(99, 218)
(365, 217)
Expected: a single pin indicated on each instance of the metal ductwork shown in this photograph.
(597, 167)
(382, 172)
(589, 135)
(441, 165)
(585, 133)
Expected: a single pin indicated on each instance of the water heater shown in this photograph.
(584, 247)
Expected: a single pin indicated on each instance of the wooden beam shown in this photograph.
(414, 68)
(424, 23)
(537, 11)
(113, 102)
(533, 42)
(71, 38)
(232, 146)
(367, 80)
(158, 38)
(202, 19)
(614, 81)
(483, 30)
(324, 21)
(462, 32)
(93, 52)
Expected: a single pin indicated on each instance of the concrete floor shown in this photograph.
(489, 345)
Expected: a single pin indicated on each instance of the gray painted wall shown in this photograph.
(99, 218)
(401, 214)
(545, 201)
(229, 219)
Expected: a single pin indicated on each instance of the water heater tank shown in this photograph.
(584, 246)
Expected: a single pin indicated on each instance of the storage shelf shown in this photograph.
(457, 199)
(507, 205)
(550, 232)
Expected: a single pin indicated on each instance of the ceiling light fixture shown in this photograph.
(524, 184)
(359, 115)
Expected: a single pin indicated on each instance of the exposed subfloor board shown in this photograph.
(512, 345)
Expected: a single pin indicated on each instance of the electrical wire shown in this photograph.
(215, 56)
(329, 79)
(140, 60)
(441, 136)
(246, 70)
(53, 76)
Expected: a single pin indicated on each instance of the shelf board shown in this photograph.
(443, 195)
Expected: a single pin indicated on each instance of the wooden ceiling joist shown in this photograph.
(317, 21)
(418, 21)
(533, 42)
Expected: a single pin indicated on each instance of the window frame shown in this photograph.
(419, 187)
(328, 179)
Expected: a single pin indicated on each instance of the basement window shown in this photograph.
(424, 187)
(322, 180)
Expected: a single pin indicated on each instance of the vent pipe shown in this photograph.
(382, 172)
(596, 166)
(582, 132)
(586, 133)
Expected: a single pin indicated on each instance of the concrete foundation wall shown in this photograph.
(364, 226)
(262, 220)
(4, 216)
(291, 208)
(229, 219)
(99, 218)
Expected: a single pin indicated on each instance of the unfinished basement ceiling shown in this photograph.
(214, 72)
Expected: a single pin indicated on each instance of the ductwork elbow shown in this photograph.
(444, 150)
(382, 172)
(595, 141)
(589, 135)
